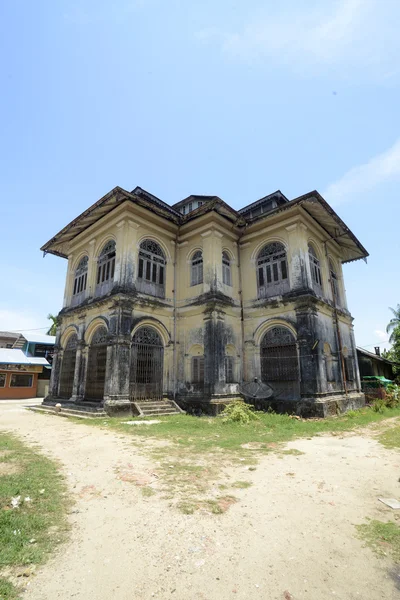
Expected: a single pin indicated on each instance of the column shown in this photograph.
(78, 388)
(116, 390)
(307, 328)
(126, 255)
(299, 267)
(212, 260)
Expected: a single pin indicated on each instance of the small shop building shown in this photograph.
(19, 374)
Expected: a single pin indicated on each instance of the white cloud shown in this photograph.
(12, 320)
(348, 35)
(381, 335)
(380, 169)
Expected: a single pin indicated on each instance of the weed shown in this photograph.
(7, 590)
(239, 412)
(187, 508)
(383, 538)
(391, 438)
(147, 491)
(242, 484)
(292, 451)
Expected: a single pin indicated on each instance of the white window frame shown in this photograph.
(196, 268)
(226, 269)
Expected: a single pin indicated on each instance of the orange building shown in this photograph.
(19, 374)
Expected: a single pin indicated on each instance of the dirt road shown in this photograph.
(291, 535)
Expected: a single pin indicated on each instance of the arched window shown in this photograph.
(279, 362)
(272, 271)
(67, 374)
(198, 370)
(105, 269)
(315, 269)
(97, 361)
(328, 362)
(226, 269)
(348, 365)
(196, 276)
(80, 281)
(151, 271)
(146, 377)
(229, 369)
(334, 283)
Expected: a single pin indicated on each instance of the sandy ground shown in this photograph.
(290, 536)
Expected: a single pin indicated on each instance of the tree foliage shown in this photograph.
(394, 329)
(54, 322)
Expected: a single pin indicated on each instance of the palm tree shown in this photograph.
(54, 323)
(394, 323)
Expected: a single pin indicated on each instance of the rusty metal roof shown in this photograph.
(311, 203)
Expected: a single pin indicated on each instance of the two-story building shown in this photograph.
(190, 301)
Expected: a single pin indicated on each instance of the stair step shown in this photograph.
(68, 412)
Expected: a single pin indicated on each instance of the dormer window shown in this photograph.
(190, 208)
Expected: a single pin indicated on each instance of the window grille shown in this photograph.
(67, 374)
(97, 362)
(226, 269)
(349, 368)
(335, 283)
(229, 369)
(105, 269)
(279, 362)
(198, 369)
(3, 379)
(197, 268)
(315, 269)
(151, 271)
(272, 271)
(80, 281)
(146, 380)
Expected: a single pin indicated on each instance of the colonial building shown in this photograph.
(188, 302)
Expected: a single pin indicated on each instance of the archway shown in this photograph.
(96, 369)
(68, 367)
(146, 380)
(279, 362)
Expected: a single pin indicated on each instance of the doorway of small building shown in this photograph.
(147, 365)
(96, 369)
(280, 363)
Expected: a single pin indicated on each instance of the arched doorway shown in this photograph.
(147, 365)
(279, 363)
(96, 369)
(68, 367)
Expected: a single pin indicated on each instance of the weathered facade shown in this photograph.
(190, 301)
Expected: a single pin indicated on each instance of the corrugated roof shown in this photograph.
(14, 356)
(37, 338)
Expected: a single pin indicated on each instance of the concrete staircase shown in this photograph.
(156, 408)
(83, 410)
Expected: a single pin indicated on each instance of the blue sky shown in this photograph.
(230, 98)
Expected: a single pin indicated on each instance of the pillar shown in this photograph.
(299, 266)
(212, 260)
(116, 389)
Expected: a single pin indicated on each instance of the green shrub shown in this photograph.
(379, 405)
(238, 412)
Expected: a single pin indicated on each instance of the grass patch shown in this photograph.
(205, 434)
(391, 438)
(147, 492)
(31, 530)
(383, 538)
(242, 485)
(192, 454)
(292, 452)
